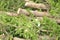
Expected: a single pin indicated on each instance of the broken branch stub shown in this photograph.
(35, 5)
(35, 13)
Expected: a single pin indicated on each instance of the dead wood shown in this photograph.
(2, 36)
(47, 37)
(8, 13)
(16, 38)
(35, 13)
(38, 14)
(27, 0)
(35, 5)
(58, 21)
(11, 14)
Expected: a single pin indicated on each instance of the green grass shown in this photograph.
(27, 27)
(55, 8)
(20, 26)
(11, 5)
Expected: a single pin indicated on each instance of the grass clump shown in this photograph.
(19, 26)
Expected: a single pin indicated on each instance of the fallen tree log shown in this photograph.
(35, 5)
(35, 13)
(8, 13)
(11, 14)
(40, 16)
